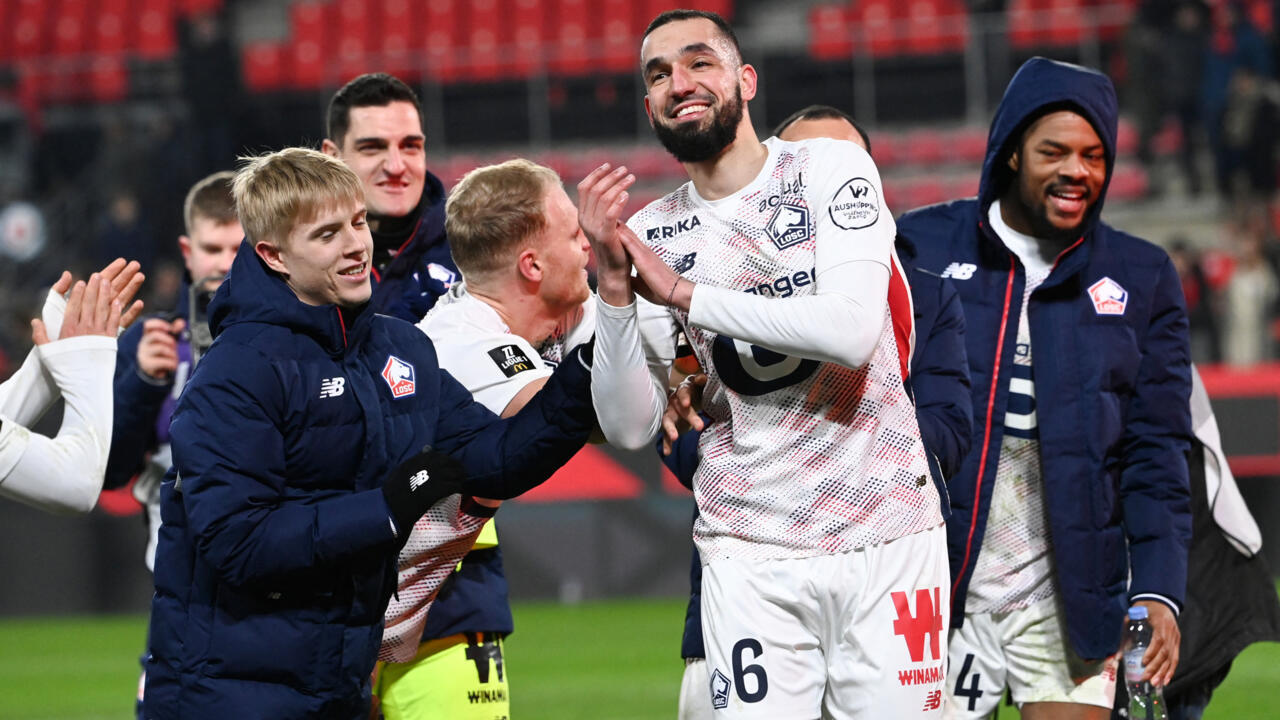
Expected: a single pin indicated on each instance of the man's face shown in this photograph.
(696, 86)
(325, 260)
(833, 128)
(564, 253)
(210, 249)
(385, 147)
(1060, 168)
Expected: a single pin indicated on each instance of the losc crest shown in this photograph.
(789, 224)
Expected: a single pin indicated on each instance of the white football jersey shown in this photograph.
(475, 346)
(803, 457)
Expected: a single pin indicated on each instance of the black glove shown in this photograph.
(418, 483)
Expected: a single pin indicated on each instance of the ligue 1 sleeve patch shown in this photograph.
(856, 205)
(510, 359)
(1108, 297)
(399, 376)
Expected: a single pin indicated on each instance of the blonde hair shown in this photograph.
(275, 191)
(493, 210)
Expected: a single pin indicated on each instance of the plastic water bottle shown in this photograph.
(1146, 702)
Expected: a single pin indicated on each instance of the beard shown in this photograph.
(690, 144)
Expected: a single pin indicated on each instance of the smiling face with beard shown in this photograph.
(694, 79)
(1060, 170)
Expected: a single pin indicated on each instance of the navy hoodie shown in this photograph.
(1112, 378)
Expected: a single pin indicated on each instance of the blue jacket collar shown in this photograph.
(253, 293)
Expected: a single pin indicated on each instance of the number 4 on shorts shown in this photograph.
(972, 692)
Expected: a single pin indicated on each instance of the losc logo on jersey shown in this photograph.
(399, 377)
(789, 225)
(719, 690)
(856, 205)
(1108, 297)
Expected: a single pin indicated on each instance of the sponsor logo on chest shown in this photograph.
(666, 232)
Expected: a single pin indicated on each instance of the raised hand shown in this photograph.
(602, 197)
(125, 278)
(655, 282)
(91, 310)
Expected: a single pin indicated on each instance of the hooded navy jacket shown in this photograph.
(277, 554)
(1111, 389)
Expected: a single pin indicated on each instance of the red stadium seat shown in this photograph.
(1066, 22)
(572, 51)
(484, 40)
(1128, 182)
(306, 53)
(354, 36)
(1023, 18)
(830, 32)
(29, 34)
(263, 66)
(925, 148)
(968, 146)
(878, 25)
(443, 39)
(157, 37)
(619, 41)
(187, 8)
(529, 17)
(71, 28)
(936, 26)
(396, 38)
(109, 30)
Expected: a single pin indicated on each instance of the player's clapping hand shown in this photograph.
(125, 279)
(91, 310)
(602, 196)
(1161, 659)
(655, 282)
(682, 410)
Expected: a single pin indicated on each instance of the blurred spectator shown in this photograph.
(211, 88)
(1206, 345)
(1250, 300)
(123, 231)
(1233, 43)
(1250, 135)
(1185, 46)
(1145, 58)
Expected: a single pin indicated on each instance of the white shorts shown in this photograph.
(856, 635)
(1026, 650)
(695, 701)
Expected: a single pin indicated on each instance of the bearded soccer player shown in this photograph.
(821, 533)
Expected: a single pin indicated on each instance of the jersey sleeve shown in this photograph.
(492, 366)
(841, 321)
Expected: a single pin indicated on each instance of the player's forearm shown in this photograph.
(28, 393)
(840, 323)
(628, 399)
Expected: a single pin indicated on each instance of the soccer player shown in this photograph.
(939, 381)
(523, 306)
(310, 440)
(1073, 503)
(75, 340)
(824, 589)
(374, 125)
(156, 357)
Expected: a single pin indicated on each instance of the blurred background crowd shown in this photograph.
(111, 109)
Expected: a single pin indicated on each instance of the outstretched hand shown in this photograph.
(126, 279)
(654, 281)
(92, 309)
(602, 197)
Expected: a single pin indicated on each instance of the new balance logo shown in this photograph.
(959, 271)
(418, 480)
(933, 701)
(332, 387)
(664, 232)
(685, 263)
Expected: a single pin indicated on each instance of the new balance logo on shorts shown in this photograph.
(418, 480)
(332, 387)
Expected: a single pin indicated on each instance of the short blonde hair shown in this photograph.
(275, 191)
(494, 210)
